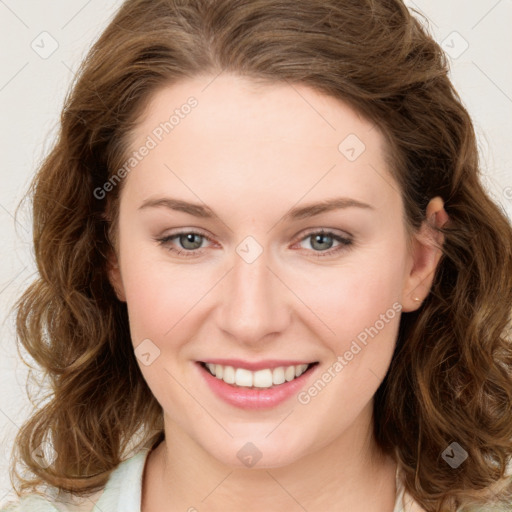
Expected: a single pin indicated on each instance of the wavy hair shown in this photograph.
(450, 378)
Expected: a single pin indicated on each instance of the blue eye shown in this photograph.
(185, 238)
(191, 243)
(319, 239)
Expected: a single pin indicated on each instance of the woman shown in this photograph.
(256, 369)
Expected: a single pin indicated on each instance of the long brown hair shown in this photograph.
(450, 379)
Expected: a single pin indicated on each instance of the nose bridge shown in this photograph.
(253, 301)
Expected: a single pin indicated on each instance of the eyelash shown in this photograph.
(345, 243)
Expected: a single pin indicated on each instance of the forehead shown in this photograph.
(243, 139)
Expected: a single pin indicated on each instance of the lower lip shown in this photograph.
(247, 398)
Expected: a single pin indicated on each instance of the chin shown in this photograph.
(256, 452)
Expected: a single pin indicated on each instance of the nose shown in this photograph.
(254, 303)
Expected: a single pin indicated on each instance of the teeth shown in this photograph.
(289, 373)
(260, 379)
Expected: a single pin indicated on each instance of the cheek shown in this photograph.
(158, 297)
(351, 298)
(360, 312)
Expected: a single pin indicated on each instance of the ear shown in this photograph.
(425, 256)
(114, 275)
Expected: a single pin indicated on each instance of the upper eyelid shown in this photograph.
(328, 231)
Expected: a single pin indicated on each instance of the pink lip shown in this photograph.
(256, 365)
(249, 398)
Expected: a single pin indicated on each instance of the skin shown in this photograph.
(250, 153)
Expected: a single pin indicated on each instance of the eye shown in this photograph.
(191, 241)
(323, 239)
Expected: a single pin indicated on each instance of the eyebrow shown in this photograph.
(297, 213)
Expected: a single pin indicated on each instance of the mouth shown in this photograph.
(273, 375)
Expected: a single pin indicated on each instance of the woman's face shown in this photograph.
(254, 281)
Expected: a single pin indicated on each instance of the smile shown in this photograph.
(264, 378)
(247, 395)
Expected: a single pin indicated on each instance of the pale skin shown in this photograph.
(251, 153)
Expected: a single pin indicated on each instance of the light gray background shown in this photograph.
(32, 88)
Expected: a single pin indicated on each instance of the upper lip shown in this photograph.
(257, 365)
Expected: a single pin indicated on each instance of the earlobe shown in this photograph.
(114, 276)
(426, 253)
